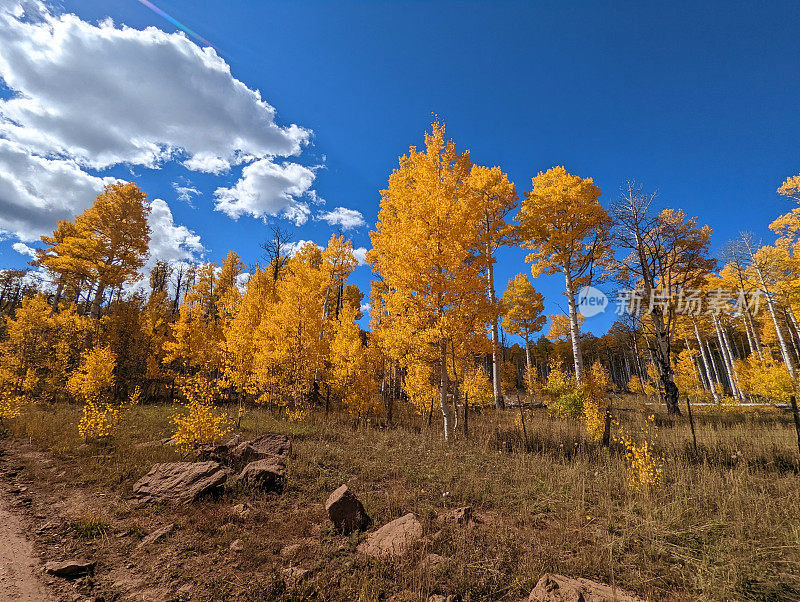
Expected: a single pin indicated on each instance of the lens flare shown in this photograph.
(176, 23)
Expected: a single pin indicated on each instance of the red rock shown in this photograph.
(558, 588)
(182, 482)
(346, 511)
(392, 539)
(268, 474)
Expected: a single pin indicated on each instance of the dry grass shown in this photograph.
(723, 526)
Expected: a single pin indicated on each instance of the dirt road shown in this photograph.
(19, 567)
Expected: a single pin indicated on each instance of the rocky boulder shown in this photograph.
(461, 516)
(268, 474)
(346, 511)
(392, 539)
(261, 448)
(182, 482)
(558, 588)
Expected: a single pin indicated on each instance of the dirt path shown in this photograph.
(19, 566)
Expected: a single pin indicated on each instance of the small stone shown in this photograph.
(392, 539)
(346, 511)
(241, 510)
(460, 516)
(70, 569)
(268, 474)
(236, 545)
(156, 535)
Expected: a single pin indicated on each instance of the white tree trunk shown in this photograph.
(574, 329)
(711, 378)
(447, 412)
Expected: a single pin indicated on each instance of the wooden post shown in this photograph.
(522, 417)
(607, 428)
(793, 401)
(691, 424)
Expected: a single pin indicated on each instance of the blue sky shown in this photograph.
(697, 100)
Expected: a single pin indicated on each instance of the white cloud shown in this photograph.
(87, 96)
(268, 189)
(293, 248)
(22, 248)
(185, 192)
(105, 95)
(345, 218)
(169, 241)
(36, 192)
(365, 308)
(361, 255)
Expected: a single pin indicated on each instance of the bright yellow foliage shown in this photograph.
(10, 405)
(644, 465)
(200, 424)
(478, 387)
(595, 388)
(791, 187)
(352, 376)
(523, 307)
(426, 247)
(93, 380)
(765, 378)
(97, 420)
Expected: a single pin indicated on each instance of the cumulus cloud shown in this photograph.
(169, 241)
(361, 255)
(268, 189)
(344, 218)
(36, 192)
(24, 249)
(90, 96)
(105, 95)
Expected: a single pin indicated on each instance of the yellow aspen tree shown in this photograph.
(494, 198)
(523, 309)
(426, 250)
(352, 373)
(92, 383)
(241, 330)
(791, 187)
(567, 230)
(293, 338)
(114, 234)
(68, 265)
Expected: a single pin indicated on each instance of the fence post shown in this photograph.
(691, 424)
(793, 401)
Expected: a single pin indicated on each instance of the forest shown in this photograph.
(103, 346)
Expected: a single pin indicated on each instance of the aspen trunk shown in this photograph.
(496, 379)
(726, 360)
(528, 366)
(447, 412)
(729, 349)
(574, 329)
(713, 362)
(751, 345)
(756, 340)
(787, 360)
(711, 378)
